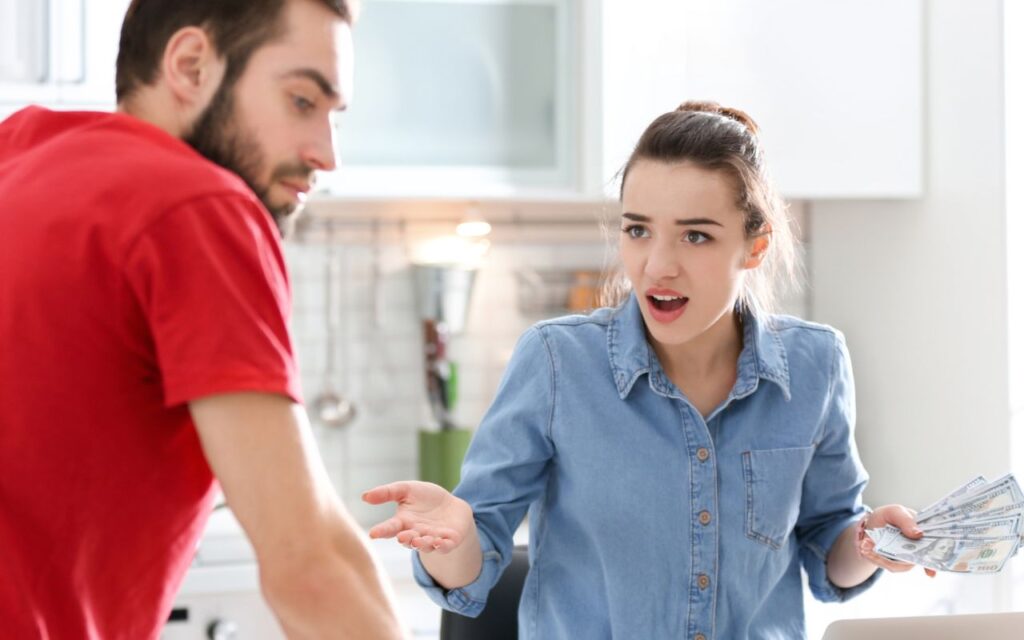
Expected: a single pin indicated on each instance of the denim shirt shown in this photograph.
(646, 519)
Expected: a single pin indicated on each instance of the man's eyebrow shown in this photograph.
(318, 78)
(686, 222)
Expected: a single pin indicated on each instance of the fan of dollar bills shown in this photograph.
(974, 529)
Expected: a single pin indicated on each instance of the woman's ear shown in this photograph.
(758, 250)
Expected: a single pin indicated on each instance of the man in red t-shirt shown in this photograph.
(143, 340)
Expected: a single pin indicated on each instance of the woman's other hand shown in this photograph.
(428, 517)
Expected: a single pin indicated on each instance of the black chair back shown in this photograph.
(500, 617)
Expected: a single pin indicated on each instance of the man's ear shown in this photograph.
(758, 250)
(191, 68)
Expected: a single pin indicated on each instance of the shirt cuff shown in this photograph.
(470, 599)
(817, 564)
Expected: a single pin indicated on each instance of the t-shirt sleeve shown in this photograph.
(210, 278)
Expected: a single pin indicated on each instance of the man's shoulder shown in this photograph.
(158, 163)
(113, 153)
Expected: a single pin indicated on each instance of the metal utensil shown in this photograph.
(331, 408)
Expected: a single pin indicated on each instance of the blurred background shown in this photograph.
(477, 167)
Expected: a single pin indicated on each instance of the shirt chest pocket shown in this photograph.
(774, 480)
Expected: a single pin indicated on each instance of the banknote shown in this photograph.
(992, 528)
(979, 501)
(963, 555)
(942, 503)
(953, 517)
(974, 528)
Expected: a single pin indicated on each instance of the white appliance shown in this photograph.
(220, 596)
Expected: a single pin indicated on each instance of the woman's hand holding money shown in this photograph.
(898, 516)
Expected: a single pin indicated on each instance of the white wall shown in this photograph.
(1014, 72)
(920, 289)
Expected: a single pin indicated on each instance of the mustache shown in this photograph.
(294, 170)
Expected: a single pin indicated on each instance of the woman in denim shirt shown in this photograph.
(681, 455)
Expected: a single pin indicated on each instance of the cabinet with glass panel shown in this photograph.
(460, 98)
(59, 53)
(545, 98)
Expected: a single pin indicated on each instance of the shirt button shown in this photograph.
(703, 454)
(703, 581)
(699, 636)
(704, 517)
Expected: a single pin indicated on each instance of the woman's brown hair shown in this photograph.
(723, 139)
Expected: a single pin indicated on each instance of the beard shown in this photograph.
(219, 135)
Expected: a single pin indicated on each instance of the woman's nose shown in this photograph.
(662, 263)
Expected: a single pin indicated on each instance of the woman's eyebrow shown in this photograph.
(687, 222)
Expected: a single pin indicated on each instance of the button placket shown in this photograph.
(703, 502)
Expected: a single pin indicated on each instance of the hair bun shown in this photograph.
(709, 106)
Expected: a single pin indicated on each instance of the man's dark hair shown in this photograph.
(237, 28)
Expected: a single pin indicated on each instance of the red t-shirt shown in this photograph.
(135, 276)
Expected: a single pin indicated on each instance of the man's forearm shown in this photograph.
(337, 592)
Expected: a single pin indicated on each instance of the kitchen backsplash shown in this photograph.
(378, 344)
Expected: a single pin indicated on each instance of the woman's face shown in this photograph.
(683, 247)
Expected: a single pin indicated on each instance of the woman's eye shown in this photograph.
(696, 237)
(635, 231)
(303, 105)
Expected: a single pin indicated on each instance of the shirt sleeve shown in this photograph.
(833, 485)
(505, 469)
(210, 278)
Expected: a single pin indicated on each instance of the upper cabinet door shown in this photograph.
(25, 52)
(836, 86)
(59, 53)
(89, 32)
(452, 97)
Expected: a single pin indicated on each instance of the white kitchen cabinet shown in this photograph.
(59, 53)
(515, 98)
(461, 98)
(837, 87)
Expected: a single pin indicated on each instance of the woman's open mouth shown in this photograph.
(666, 307)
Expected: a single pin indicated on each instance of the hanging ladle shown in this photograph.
(331, 408)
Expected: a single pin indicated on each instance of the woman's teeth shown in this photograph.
(669, 303)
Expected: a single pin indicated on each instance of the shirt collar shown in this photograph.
(763, 355)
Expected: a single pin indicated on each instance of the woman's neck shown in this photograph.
(712, 354)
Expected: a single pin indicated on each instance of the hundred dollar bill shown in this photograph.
(1010, 510)
(1002, 492)
(948, 554)
(992, 528)
(942, 503)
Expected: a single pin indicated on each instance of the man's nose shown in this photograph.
(319, 151)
